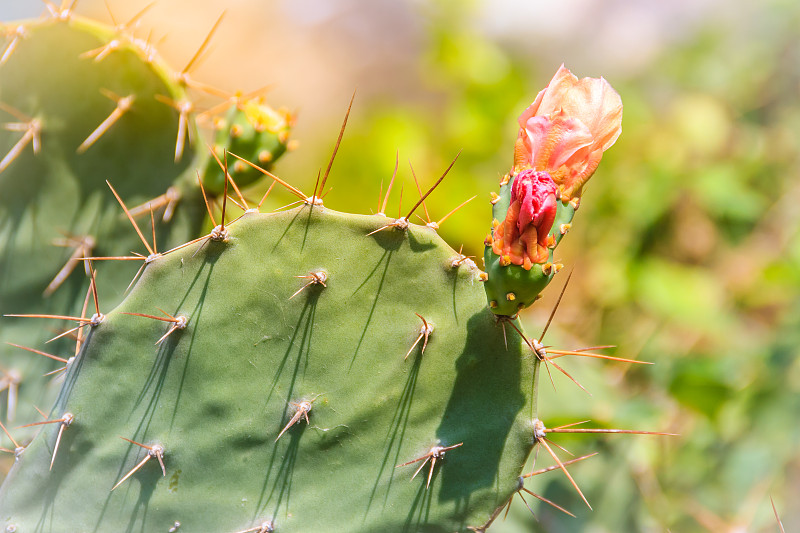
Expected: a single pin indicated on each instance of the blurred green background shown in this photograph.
(685, 250)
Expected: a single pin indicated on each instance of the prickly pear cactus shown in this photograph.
(313, 354)
(310, 370)
(82, 103)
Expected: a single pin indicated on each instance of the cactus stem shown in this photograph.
(336, 146)
(82, 246)
(293, 190)
(422, 199)
(314, 278)
(539, 432)
(301, 411)
(156, 450)
(264, 527)
(123, 105)
(168, 200)
(130, 217)
(32, 135)
(424, 332)
(19, 34)
(434, 454)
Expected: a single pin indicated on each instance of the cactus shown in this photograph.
(312, 353)
(83, 103)
(305, 370)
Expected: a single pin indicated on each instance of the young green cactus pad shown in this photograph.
(316, 368)
(82, 103)
(252, 130)
(562, 137)
(78, 102)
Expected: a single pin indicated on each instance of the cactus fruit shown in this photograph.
(561, 140)
(82, 103)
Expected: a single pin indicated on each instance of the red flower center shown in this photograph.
(522, 237)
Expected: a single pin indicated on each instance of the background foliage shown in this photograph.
(685, 250)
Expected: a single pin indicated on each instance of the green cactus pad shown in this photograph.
(251, 130)
(60, 83)
(261, 338)
(65, 75)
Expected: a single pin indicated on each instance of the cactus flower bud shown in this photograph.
(567, 128)
(523, 235)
